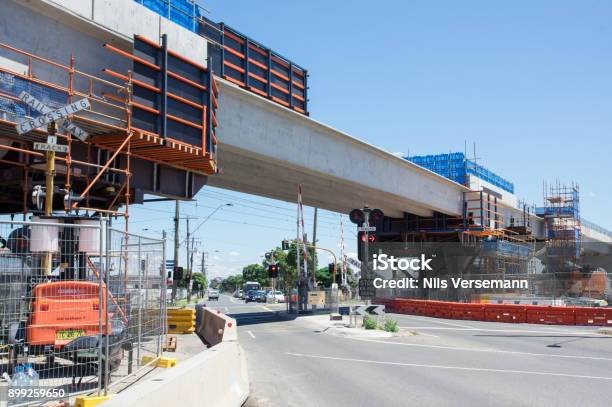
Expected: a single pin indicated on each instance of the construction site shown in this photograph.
(158, 102)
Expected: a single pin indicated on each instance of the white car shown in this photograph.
(275, 296)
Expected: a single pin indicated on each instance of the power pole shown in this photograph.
(188, 262)
(204, 272)
(314, 244)
(176, 247)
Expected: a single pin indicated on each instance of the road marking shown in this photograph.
(444, 328)
(426, 334)
(232, 299)
(266, 308)
(226, 309)
(444, 323)
(479, 350)
(474, 369)
(251, 333)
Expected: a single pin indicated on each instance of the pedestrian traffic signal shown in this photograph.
(331, 267)
(361, 239)
(273, 271)
(285, 244)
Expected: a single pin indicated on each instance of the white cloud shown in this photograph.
(234, 253)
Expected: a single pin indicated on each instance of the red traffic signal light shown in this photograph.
(273, 271)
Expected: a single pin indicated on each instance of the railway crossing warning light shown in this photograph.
(273, 271)
(285, 244)
(357, 216)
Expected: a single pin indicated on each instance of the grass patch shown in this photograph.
(369, 322)
(390, 325)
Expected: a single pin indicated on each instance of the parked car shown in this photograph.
(213, 294)
(275, 296)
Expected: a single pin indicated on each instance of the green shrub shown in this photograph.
(391, 325)
(369, 322)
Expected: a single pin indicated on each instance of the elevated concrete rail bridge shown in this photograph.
(264, 148)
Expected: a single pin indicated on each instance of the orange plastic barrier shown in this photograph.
(440, 309)
(505, 313)
(471, 312)
(550, 315)
(511, 313)
(593, 316)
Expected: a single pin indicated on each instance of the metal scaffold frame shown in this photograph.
(104, 166)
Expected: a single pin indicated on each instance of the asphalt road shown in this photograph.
(445, 363)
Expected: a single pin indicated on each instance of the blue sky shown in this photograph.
(528, 82)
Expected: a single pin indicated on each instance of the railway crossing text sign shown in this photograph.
(49, 115)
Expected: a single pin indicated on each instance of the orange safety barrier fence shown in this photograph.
(510, 313)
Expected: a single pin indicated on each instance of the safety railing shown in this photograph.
(82, 306)
(55, 85)
(254, 67)
(590, 225)
(239, 58)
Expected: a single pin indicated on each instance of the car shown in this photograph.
(275, 296)
(213, 294)
(250, 296)
(260, 296)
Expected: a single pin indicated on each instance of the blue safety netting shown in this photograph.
(12, 85)
(456, 166)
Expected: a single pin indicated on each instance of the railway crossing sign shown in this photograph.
(369, 310)
(366, 229)
(49, 115)
(58, 148)
(366, 288)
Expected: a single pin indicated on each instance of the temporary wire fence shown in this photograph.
(82, 307)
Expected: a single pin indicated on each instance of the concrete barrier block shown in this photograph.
(214, 377)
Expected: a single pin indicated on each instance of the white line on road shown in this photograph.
(479, 350)
(226, 309)
(266, 308)
(444, 328)
(443, 323)
(251, 333)
(474, 369)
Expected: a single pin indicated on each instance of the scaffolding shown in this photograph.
(94, 176)
(563, 225)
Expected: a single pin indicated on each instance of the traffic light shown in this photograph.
(177, 275)
(331, 267)
(361, 238)
(285, 245)
(273, 271)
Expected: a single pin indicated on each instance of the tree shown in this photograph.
(231, 283)
(255, 272)
(324, 277)
(216, 283)
(199, 283)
